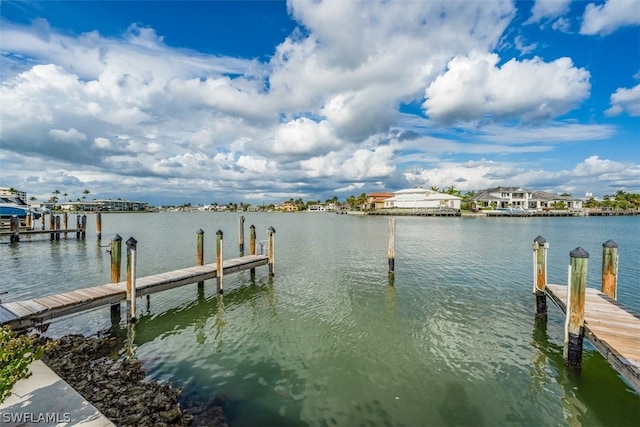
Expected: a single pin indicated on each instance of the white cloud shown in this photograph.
(304, 138)
(71, 135)
(362, 164)
(476, 88)
(625, 100)
(562, 25)
(601, 176)
(548, 9)
(102, 143)
(524, 48)
(606, 18)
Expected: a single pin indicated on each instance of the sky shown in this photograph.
(256, 102)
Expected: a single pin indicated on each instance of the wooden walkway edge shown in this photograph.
(28, 313)
(612, 329)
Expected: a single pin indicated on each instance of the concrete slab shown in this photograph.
(44, 399)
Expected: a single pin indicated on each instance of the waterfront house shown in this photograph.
(317, 208)
(376, 200)
(419, 198)
(521, 198)
(101, 205)
(13, 193)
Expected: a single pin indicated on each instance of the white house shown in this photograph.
(420, 198)
(519, 197)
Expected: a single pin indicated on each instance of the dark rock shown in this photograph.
(115, 385)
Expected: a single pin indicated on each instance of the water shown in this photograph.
(328, 341)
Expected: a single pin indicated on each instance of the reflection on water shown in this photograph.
(332, 339)
(457, 410)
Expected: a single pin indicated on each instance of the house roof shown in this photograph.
(380, 195)
(414, 191)
(488, 195)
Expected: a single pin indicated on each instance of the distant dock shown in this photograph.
(35, 311)
(29, 313)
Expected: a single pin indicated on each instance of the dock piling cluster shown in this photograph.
(589, 313)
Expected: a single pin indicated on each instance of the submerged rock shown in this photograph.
(116, 386)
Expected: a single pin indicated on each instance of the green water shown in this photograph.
(329, 341)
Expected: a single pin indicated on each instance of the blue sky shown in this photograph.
(251, 101)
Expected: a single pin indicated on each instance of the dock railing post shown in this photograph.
(131, 279)
(65, 224)
(57, 227)
(392, 252)
(540, 247)
(15, 229)
(116, 255)
(252, 245)
(574, 323)
(241, 234)
(200, 253)
(99, 226)
(219, 268)
(610, 269)
(52, 225)
(272, 254)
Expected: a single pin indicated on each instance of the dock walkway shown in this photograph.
(27, 313)
(611, 327)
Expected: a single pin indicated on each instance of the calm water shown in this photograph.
(328, 341)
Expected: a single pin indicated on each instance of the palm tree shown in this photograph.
(362, 200)
(435, 188)
(85, 192)
(351, 201)
(467, 202)
(453, 191)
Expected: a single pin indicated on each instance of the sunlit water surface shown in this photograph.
(329, 341)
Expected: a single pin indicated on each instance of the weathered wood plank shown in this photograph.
(71, 230)
(17, 309)
(612, 329)
(6, 316)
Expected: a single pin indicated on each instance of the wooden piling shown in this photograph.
(241, 234)
(52, 225)
(391, 253)
(57, 227)
(540, 247)
(78, 225)
(574, 323)
(610, 269)
(65, 224)
(131, 279)
(252, 246)
(15, 229)
(84, 227)
(29, 220)
(116, 255)
(219, 271)
(272, 254)
(43, 218)
(99, 226)
(200, 252)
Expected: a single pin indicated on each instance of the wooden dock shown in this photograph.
(25, 231)
(28, 313)
(611, 327)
